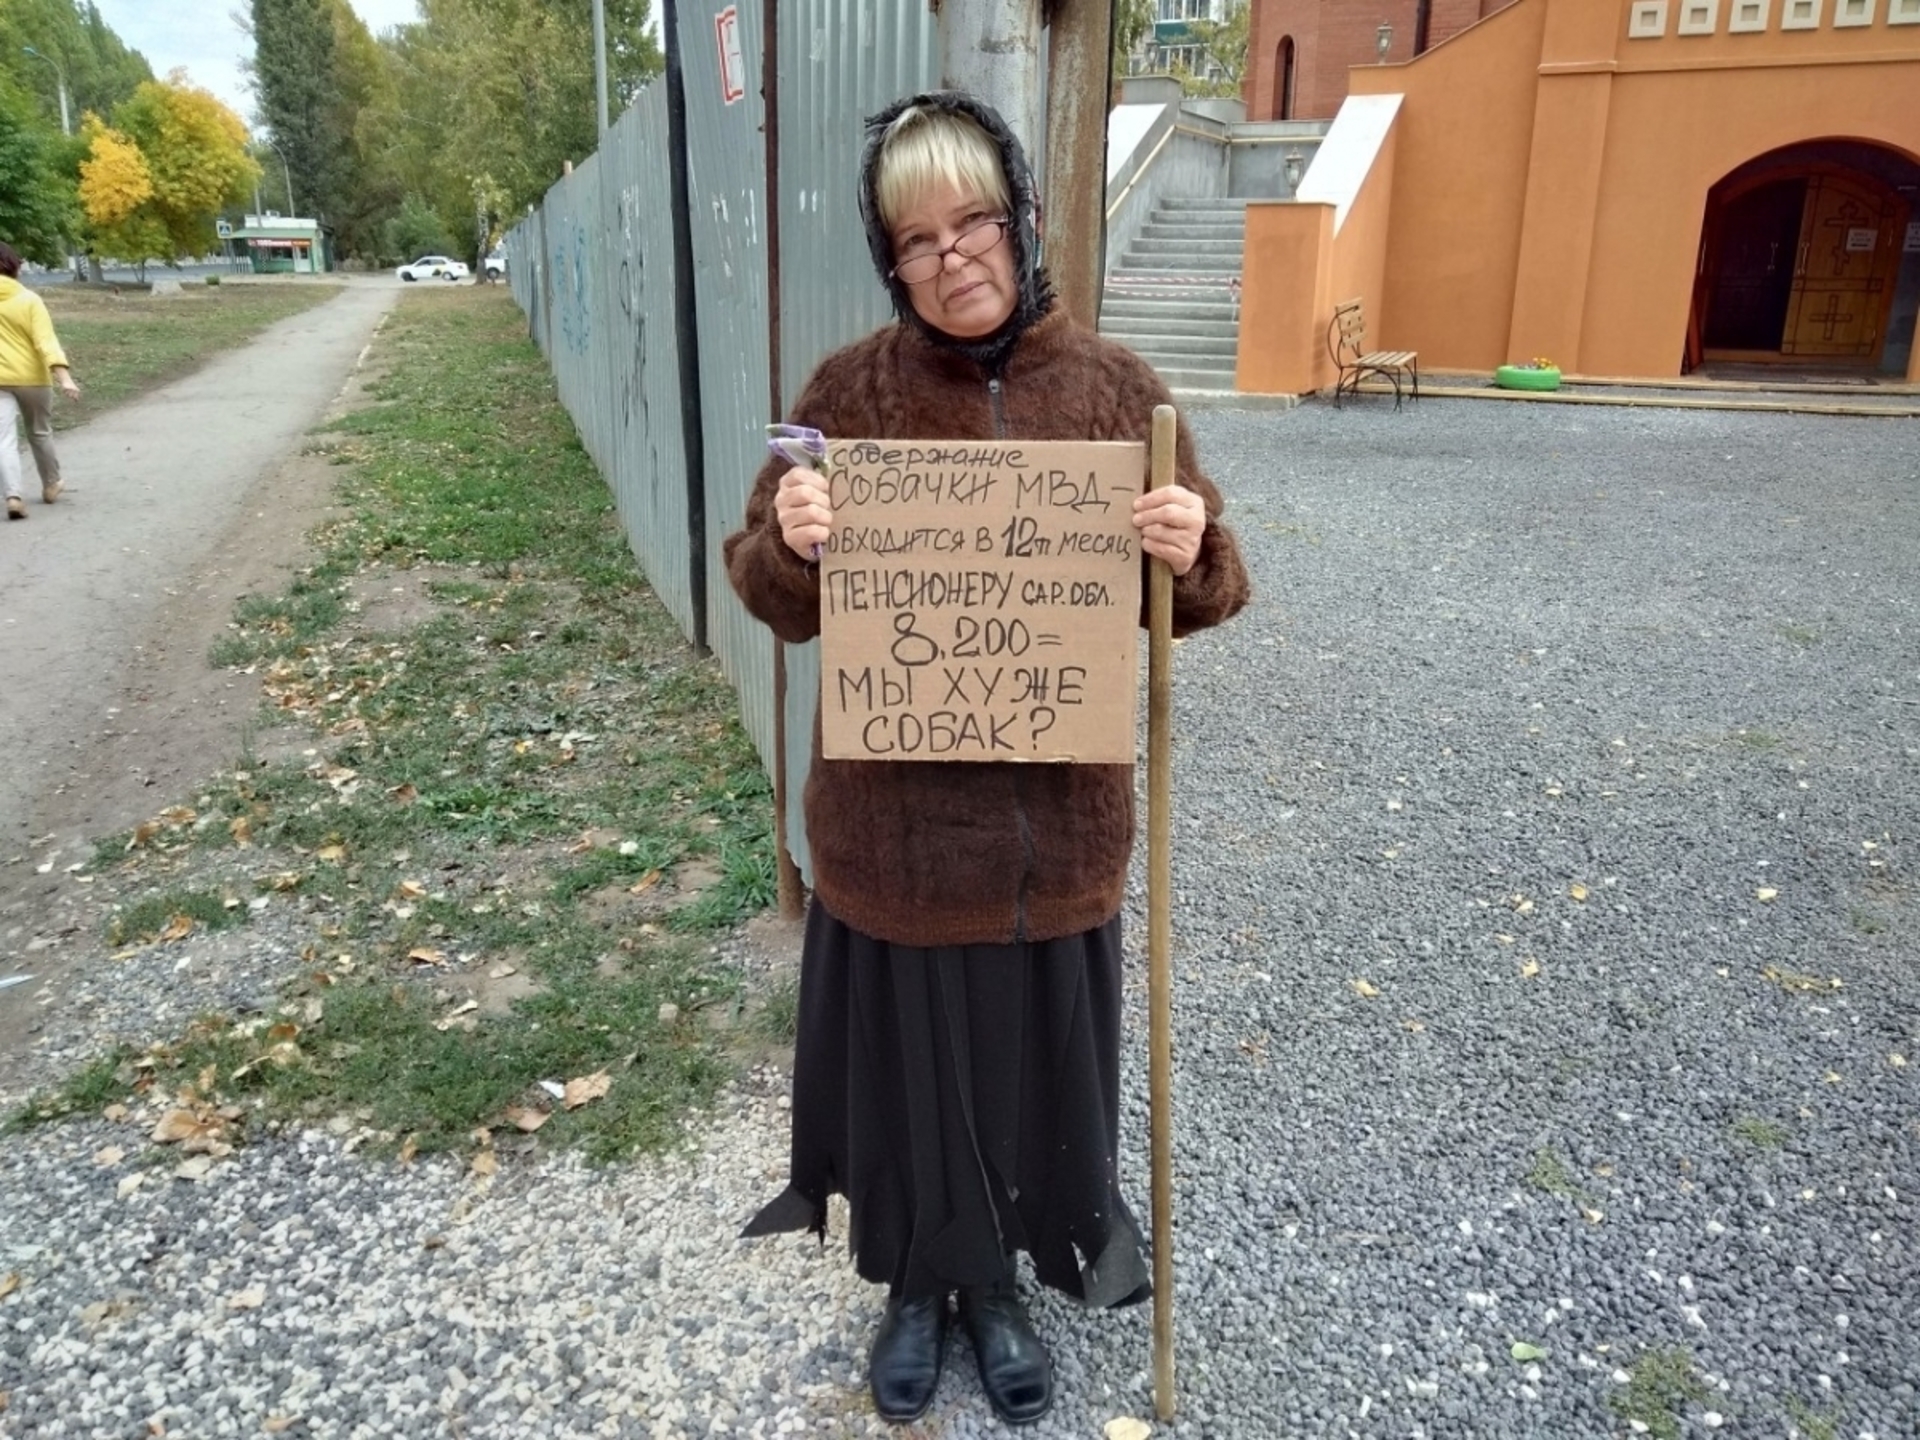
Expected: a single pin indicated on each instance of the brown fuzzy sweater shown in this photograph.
(933, 853)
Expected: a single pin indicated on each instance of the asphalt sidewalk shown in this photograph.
(151, 487)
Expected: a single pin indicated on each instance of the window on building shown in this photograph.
(1185, 9)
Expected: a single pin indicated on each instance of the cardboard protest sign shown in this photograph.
(981, 601)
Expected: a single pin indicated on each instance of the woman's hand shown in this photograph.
(1171, 522)
(69, 387)
(805, 510)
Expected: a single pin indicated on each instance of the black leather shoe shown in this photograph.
(1014, 1368)
(904, 1369)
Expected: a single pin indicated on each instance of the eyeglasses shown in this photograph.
(971, 243)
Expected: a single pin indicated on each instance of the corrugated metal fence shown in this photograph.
(593, 268)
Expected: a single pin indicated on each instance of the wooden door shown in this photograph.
(1754, 244)
(1850, 234)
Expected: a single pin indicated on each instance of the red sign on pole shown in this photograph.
(733, 69)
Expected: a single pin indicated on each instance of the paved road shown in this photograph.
(151, 486)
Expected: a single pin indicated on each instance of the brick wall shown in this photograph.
(1329, 36)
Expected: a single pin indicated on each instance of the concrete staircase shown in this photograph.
(1174, 296)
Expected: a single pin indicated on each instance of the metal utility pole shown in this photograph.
(993, 52)
(286, 170)
(600, 67)
(1079, 83)
(66, 121)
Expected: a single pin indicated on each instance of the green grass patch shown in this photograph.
(1809, 1423)
(176, 911)
(125, 345)
(1760, 1133)
(1550, 1174)
(524, 794)
(1661, 1384)
(1866, 922)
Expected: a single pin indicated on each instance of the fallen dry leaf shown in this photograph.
(501, 972)
(330, 854)
(1529, 967)
(645, 883)
(1766, 894)
(1126, 1428)
(9, 1283)
(485, 1164)
(1898, 1062)
(178, 1125)
(1363, 989)
(1521, 904)
(409, 1148)
(178, 928)
(130, 1183)
(1503, 939)
(275, 1424)
(410, 890)
(1578, 892)
(585, 1088)
(197, 1168)
(250, 1299)
(405, 794)
(425, 955)
(109, 1156)
(1413, 1027)
(115, 1111)
(242, 831)
(453, 1017)
(526, 1118)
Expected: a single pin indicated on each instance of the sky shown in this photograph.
(200, 36)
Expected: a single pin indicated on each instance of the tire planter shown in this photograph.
(1523, 377)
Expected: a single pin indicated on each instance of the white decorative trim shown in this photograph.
(1853, 12)
(1751, 15)
(1800, 14)
(1647, 20)
(1699, 17)
(1903, 12)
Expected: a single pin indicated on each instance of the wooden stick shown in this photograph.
(1160, 925)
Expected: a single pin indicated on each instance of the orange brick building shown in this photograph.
(1299, 51)
(1630, 187)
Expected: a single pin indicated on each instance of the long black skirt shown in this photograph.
(965, 1100)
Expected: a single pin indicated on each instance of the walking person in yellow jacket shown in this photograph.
(31, 364)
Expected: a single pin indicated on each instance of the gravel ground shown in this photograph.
(1546, 936)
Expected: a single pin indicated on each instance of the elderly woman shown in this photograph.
(956, 1073)
(31, 364)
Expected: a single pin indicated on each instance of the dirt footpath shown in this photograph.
(175, 506)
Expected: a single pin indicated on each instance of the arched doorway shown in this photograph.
(1283, 79)
(1801, 256)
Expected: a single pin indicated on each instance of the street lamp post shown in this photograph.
(66, 120)
(285, 169)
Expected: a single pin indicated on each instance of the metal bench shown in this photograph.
(1347, 344)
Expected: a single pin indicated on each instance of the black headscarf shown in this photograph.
(1034, 289)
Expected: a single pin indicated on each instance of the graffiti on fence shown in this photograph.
(570, 290)
(633, 393)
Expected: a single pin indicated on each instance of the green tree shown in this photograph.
(1132, 25)
(297, 87)
(491, 97)
(1224, 42)
(415, 229)
(37, 200)
(100, 70)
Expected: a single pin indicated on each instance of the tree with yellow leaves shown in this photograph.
(115, 189)
(180, 146)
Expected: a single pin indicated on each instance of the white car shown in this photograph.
(496, 264)
(433, 267)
